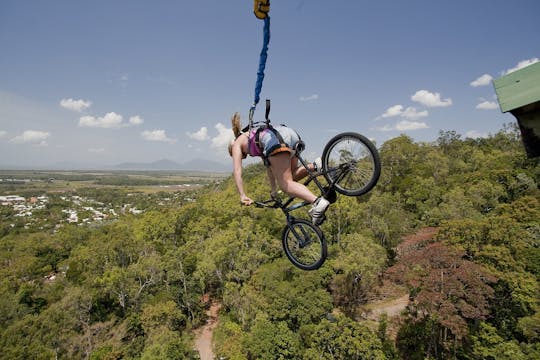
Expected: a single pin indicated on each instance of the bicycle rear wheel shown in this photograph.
(352, 163)
(304, 244)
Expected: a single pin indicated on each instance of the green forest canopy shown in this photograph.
(134, 288)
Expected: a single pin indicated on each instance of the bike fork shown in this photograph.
(303, 238)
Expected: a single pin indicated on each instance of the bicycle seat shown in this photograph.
(299, 147)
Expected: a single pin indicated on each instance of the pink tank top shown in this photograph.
(252, 144)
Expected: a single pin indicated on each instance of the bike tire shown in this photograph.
(304, 244)
(360, 156)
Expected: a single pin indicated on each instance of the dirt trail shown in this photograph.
(391, 308)
(203, 336)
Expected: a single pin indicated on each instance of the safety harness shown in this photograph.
(282, 146)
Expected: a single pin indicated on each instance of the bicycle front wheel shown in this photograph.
(351, 163)
(304, 244)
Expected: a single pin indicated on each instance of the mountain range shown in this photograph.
(163, 164)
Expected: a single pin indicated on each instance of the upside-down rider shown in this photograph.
(275, 145)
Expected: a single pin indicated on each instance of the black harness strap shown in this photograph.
(282, 144)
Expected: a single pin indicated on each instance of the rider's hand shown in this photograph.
(245, 200)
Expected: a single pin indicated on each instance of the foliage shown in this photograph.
(356, 271)
(447, 294)
(271, 340)
(133, 287)
(344, 339)
(228, 339)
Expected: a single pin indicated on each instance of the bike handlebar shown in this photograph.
(272, 203)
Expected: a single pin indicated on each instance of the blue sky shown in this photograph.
(103, 82)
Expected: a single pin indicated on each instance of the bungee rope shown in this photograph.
(261, 8)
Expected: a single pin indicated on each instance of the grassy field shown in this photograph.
(12, 181)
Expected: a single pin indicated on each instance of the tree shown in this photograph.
(397, 155)
(271, 340)
(158, 228)
(530, 327)
(504, 243)
(386, 217)
(161, 314)
(455, 205)
(343, 339)
(446, 292)
(487, 344)
(167, 344)
(287, 294)
(357, 270)
(227, 340)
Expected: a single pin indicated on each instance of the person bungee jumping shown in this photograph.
(276, 146)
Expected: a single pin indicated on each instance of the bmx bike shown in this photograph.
(351, 166)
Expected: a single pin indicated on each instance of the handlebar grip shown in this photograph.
(272, 203)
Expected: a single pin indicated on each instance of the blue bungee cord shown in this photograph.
(261, 11)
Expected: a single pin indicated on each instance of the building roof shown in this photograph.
(519, 88)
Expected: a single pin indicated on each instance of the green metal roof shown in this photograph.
(519, 88)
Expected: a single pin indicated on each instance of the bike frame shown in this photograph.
(286, 206)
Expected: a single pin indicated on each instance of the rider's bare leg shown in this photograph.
(281, 165)
(299, 172)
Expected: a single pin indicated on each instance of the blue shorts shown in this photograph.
(271, 144)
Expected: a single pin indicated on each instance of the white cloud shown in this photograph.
(430, 99)
(136, 120)
(96, 150)
(75, 105)
(412, 114)
(521, 65)
(309, 98)
(404, 125)
(392, 111)
(2, 133)
(483, 80)
(409, 113)
(156, 135)
(475, 134)
(487, 105)
(32, 136)
(385, 128)
(223, 138)
(110, 120)
(200, 135)
(410, 125)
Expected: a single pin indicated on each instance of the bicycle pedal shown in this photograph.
(320, 222)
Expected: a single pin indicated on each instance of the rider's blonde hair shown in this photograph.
(230, 147)
(236, 128)
(236, 124)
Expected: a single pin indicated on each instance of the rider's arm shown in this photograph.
(237, 174)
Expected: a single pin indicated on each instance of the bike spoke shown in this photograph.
(304, 245)
(357, 158)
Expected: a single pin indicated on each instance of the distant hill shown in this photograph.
(163, 164)
(166, 164)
